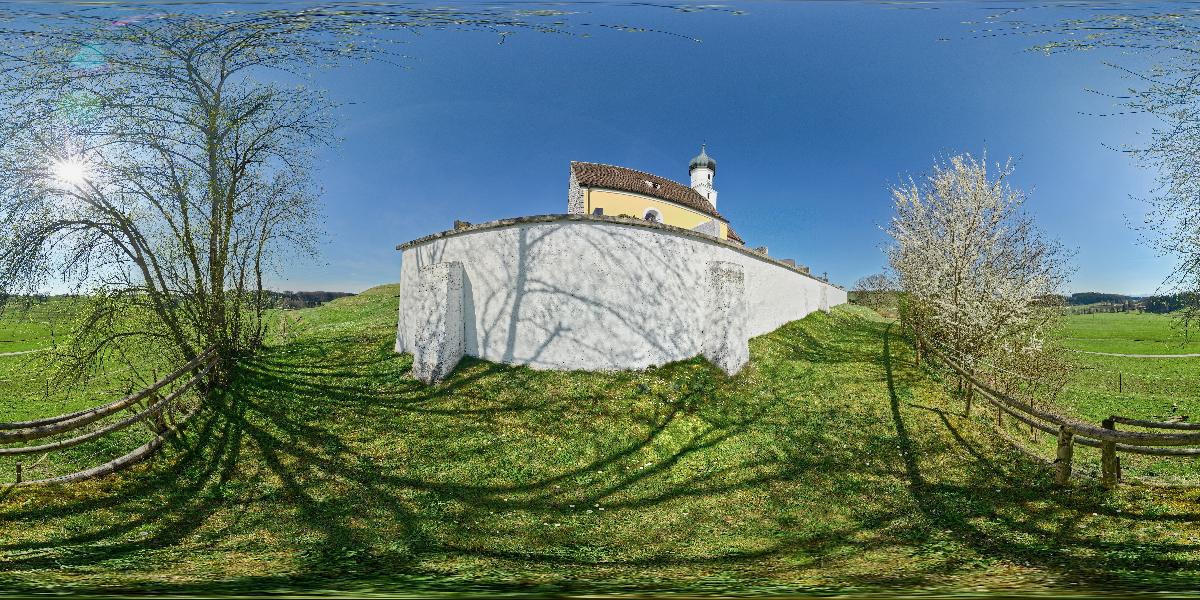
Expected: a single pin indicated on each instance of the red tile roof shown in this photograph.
(638, 182)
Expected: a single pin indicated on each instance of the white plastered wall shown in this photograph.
(597, 294)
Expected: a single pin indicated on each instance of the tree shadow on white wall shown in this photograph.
(610, 296)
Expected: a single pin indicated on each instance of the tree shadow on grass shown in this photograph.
(291, 442)
(170, 500)
(1009, 509)
(326, 466)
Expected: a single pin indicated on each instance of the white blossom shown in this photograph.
(975, 271)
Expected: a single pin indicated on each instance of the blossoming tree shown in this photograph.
(974, 268)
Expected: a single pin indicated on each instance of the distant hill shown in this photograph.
(289, 299)
(1081, 298)
(1090, 302)
(40, 304)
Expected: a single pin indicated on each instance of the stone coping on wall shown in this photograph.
(627, 221)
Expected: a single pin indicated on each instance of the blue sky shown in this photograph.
(811, 109)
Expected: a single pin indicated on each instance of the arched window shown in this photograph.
(653, 216)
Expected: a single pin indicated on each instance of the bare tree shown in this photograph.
(162, 163)
(876, 291)
(974, 268)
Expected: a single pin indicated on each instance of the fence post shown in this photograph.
(1110, 463)
(970, 394)
(1032, 431)
(160, 420)
(1066, 448)
(18, 472)
(1120, 383)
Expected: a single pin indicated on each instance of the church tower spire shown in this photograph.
(702, 168)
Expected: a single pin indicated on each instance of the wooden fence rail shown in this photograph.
(1071, 431)
(25, 431)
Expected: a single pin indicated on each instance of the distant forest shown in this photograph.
(287, 299)
(305, 299)
(1099, 297)
(1078, 303)
(1103, 302)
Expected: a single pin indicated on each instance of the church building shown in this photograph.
(641, 271)
(598, 189)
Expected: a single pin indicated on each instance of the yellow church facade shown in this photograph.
(611, 202)
(599, 189)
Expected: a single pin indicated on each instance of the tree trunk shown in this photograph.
(970, 397)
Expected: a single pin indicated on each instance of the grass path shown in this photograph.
(1194, 355)
(831, 463)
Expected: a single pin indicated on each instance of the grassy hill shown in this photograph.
(830, 463)
(1129, 333)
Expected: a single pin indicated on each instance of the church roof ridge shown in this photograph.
(592, 174)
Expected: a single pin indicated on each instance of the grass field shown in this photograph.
(24, 381)
(31, 389)
(831, 463)
(34, 325)
(26, 389)
(1145, 388)
(1129, 333)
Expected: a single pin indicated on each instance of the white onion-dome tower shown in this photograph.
(702, 169)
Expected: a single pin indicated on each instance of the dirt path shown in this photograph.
(3, 354)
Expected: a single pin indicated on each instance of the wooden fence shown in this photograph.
(1110, 440)
(154, 406)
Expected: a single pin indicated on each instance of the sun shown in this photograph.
(71, 171)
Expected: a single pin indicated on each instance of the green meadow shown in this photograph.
(32, 387)
(1129, 333)
(831, 464)
(1133, 386)
(27, 332)
(34, 325)
(1138, 387)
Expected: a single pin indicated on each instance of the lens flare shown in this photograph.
(90, 58)
(71, 171)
